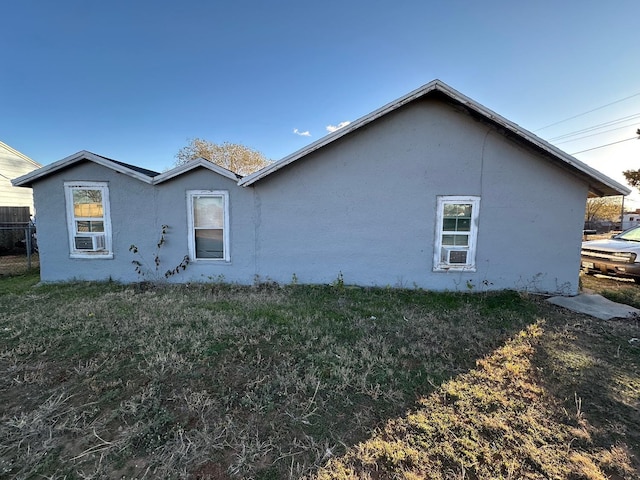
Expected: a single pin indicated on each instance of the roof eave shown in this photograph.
(21, 155)
(596, 180)
(191, 165)
(332, 137)
(31, 177)
(598, 183)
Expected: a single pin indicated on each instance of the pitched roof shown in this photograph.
(193, 164)
(143, 171)
(142, 174)
(599, 184)
(21, 155)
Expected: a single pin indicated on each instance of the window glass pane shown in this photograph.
(449, 224)
(457, 210)
(209, 243)
(456, 218)
(464, 210)
(448, 240)
(455, 240)
(208, 212)
(83, 226)
(464, 225)
(461, 240)
(456, 224)
(450, 210)
(87, 203)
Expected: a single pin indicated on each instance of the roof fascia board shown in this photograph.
(20, 154)
(29, 178)
(437, 85)
(193, 164)
(534, 139)
(332, 137)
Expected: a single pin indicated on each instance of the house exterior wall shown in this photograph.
(630, 219)
(138, 211)
(365, 207)
(13, 165)
(172, 211)
(132, 217)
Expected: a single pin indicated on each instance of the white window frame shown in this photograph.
(439, 265)
(226, 254)
(107, 251)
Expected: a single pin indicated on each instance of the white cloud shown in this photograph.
(302, 134)
(333, 128)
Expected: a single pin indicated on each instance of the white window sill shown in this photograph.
(454, 268)
(210, 260)
(92, 256)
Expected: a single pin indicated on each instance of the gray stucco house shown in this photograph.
(432, 190)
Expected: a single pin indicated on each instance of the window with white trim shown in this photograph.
(88, 219)
(456, 233)
(208, 223)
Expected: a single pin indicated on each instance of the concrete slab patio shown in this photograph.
(596, 306)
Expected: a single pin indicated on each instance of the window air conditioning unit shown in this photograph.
(89, 243)
(455, 256)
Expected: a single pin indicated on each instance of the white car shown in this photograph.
(618, 256)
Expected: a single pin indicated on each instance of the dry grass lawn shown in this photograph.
(268, 382)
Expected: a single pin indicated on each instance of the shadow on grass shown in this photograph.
(593, 370)
(550, 403)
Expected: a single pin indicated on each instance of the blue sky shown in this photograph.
(134, 80)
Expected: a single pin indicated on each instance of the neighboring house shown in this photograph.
(14, 164)
(432, 190)
(631, 219)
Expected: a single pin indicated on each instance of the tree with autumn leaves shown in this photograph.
(603, 209)
(238, 158)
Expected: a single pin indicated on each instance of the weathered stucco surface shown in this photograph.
(363, 207)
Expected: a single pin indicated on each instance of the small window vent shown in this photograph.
(92, 243)
(453, 256)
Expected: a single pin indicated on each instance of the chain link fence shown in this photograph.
(18, 248)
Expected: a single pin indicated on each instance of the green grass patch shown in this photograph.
(19, 284)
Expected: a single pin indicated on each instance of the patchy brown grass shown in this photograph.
(268, 382)
(559, 400)
(11, 265)
(509, 418)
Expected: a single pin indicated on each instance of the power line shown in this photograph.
(589, 111)
(602, 146)
(596, 134)
(596, 127)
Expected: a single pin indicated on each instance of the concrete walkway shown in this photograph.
(596, 306)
